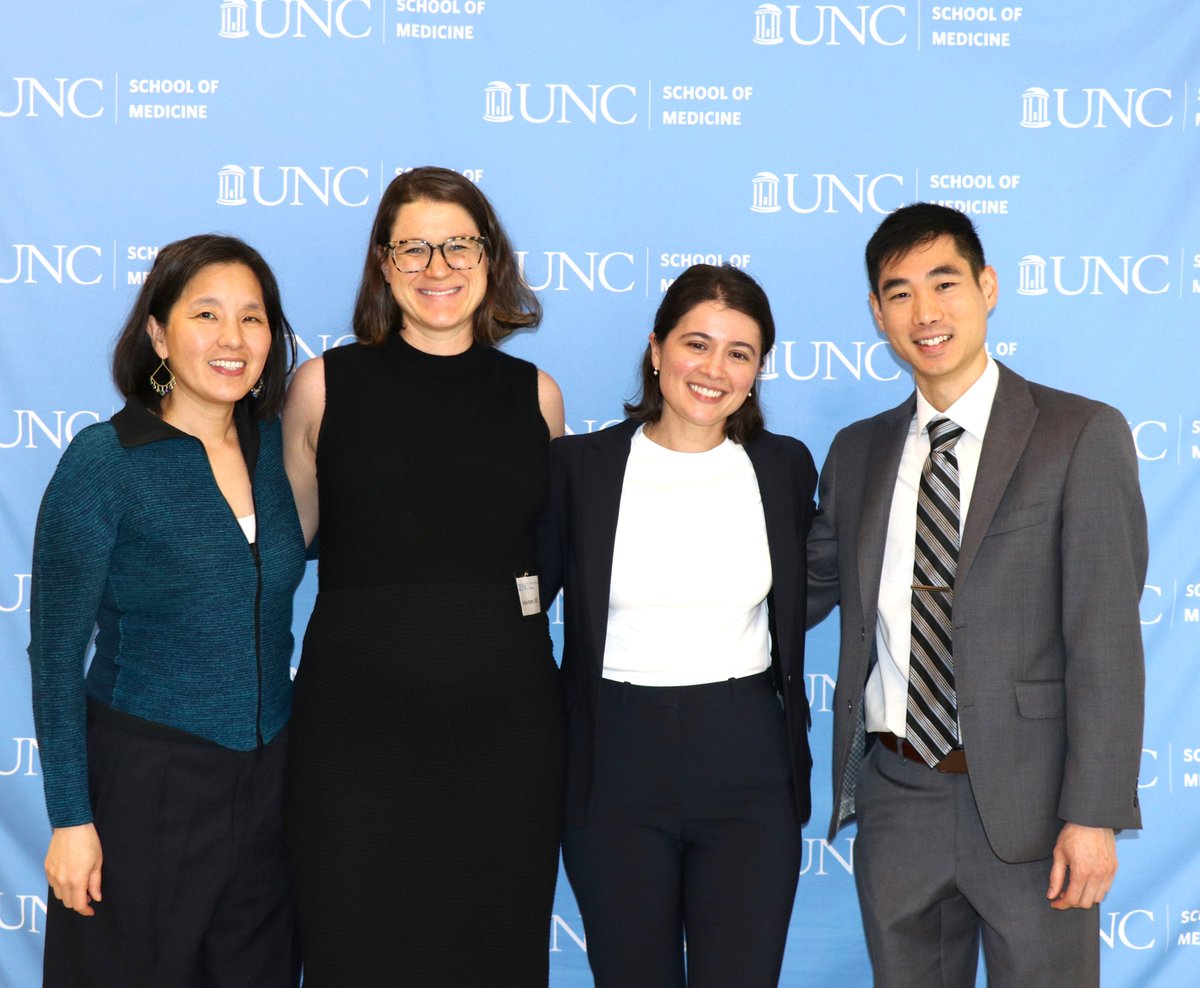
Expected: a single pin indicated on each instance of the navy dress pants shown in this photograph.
(685, 869)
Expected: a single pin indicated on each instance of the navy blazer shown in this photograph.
(575, 553)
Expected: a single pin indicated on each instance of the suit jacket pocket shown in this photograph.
(1040, 700)
(1023, 517)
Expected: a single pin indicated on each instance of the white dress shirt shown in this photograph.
(886, 699)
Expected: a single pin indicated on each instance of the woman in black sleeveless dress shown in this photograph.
(426, 765)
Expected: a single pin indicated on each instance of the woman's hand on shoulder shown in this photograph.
(73, 867)
(550, 400)
(302, 415)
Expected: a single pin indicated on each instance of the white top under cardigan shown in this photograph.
(691, 569)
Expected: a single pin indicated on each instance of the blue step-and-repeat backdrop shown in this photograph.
(622, 141)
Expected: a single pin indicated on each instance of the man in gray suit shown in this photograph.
(988, 710)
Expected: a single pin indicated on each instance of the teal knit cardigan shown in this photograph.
(135, 541)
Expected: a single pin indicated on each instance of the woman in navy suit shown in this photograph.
(679, 539)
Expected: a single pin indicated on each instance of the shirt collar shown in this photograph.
(136, 425)
(973, 408)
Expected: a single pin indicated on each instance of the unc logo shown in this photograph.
(1097, 108)
(23, 915)
(327, 17)
(1035, 108)
(1095, 275)
(1153, 446)
(65, 97)
(1151, 753)
(817, 852)
(598, 269)
(498, 97)
(830, 193)
(557, 925)
(830, 25)
(232, 181)
(768, 25)
(326, 341)
(831, 363)
(766, 193)
(29, 423)
(1032, 275)
(1124, 927)
(295, 186)
(22, 581)
(820, 692)
(25, 752)
(563, 104)
(59, 262)
(233, 19)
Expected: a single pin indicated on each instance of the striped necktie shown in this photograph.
(932, 722)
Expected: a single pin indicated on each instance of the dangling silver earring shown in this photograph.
(656, 372)
(163, 388)
(257, 389)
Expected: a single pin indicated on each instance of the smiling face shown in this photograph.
(438, 304)
(934, 314)
(706, 367)
(215, 340)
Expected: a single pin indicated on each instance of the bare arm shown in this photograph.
(551, 402)
(302, 415)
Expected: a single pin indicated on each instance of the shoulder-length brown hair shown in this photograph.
(134, 359)
(732, 288)
(508, 303)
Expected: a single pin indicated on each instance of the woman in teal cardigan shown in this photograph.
(171, 531)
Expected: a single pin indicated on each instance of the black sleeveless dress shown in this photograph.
(425, 783)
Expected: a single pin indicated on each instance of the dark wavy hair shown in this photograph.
(134, 359)
(732, 288)
(915, 226)
(508, 303)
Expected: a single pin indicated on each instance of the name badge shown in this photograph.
(528, 595)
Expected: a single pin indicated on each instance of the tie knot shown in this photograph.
(943, 434)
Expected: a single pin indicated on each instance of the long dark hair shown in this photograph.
(508, 304)
(134, 359)
(732, 288)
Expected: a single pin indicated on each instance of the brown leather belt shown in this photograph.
(955, 762)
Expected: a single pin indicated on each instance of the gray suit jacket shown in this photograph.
(1047, 634)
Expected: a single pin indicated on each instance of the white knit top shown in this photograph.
(691, 569)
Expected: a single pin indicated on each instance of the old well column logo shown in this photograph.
(498, 102)
(233, 19)
(769, 370)
(766, 193)
(232, 181)
(1035, 107)
(1032, 275)
(768, 25)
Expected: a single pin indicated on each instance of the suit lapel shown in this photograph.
(779, 513)
(880, 467)
(1009, 427)
(602, 480)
